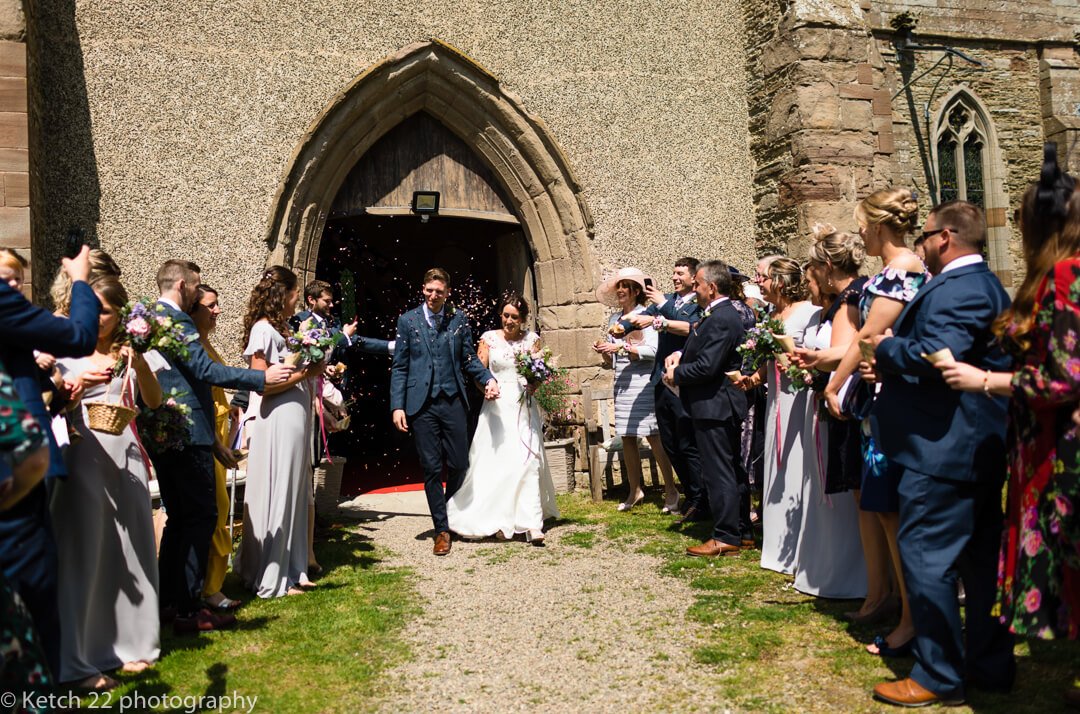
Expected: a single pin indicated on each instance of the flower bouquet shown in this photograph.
(145, 326)
(800, 378)
(544, 380)
(167, 427)
(761, 343)
(310, 343)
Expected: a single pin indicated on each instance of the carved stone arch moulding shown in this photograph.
(435, 78)
(962, 117)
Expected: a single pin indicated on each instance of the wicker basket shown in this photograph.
(109, 418)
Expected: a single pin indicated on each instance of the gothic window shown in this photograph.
(962, 152)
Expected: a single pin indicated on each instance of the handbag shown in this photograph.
(857, 398)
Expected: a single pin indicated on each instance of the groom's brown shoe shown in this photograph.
(712, 548)
(909, 693)
(442, 543)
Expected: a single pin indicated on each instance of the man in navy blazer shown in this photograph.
(433, 352)
(27, 548)
(677, 311)
(186, 477)
(950, 447)
(717, 407)
(319, 297)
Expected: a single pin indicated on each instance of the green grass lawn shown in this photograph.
(766, 647)
(770, 648)
(319, 652)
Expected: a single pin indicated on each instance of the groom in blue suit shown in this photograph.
(433, 352)
(950, 448)
(186, 477)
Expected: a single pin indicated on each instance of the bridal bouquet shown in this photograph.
(310, 343)
(545, 381)
(761, 343)
(167, 427)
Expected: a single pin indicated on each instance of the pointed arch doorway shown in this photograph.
(375, 251)
(534, 209)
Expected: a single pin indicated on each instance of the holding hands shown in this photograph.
(491, 390)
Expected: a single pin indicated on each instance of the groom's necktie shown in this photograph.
(436, 321)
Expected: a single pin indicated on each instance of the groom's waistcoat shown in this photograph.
(444, 381)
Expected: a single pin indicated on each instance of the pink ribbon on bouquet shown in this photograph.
(322, 416)
(779, 426)
(528, 412)
(128, 400)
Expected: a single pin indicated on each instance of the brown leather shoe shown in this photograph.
(712, 548)
(442, 543)
(909, 693)
(748, 543)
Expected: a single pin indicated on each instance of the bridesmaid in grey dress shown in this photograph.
(108, 580)
(787, 462)
(273, 556)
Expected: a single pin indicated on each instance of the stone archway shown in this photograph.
(438, 79)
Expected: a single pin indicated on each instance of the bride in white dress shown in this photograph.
(508, 487)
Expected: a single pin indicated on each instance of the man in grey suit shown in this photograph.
(186, 477)
(433, 351)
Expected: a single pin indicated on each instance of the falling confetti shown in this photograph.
(375, 265)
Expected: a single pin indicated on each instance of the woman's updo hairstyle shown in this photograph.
(268, 300)
(787, 277)
(515, 301)
(843, 251)
(894, 207)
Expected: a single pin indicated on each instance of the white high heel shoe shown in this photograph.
(627, 505)
(535, 536)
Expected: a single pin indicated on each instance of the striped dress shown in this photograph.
(635, 410)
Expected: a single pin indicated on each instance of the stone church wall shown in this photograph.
(165, 128)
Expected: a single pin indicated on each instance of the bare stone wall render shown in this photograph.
(166, 127)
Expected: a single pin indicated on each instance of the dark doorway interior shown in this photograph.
(376, 264)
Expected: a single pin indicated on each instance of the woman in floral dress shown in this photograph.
(1039, 571)
(885, 218)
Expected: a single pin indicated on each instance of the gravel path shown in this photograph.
(510, 627)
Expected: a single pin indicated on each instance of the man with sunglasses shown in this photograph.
(950, 447)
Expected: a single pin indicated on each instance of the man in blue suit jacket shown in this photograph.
(677, 311)
(27, 548)
(319, 296)
(433, 352)
(186, 477)
(717, 407)
(950, 446)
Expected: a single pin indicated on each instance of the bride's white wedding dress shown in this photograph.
(508, 487)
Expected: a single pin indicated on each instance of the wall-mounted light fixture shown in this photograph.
(425, 204)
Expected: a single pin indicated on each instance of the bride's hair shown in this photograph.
(515, 301)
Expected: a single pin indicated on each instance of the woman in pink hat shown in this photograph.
(632, 356)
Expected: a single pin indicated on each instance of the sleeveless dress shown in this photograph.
(273, 554)
(508, 487)
(829, 557)
(103, 522)
(879, 483)
(635, 405)
(786, 456)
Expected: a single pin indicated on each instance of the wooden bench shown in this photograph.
(598, 406)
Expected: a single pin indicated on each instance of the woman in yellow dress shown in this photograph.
(205, 316)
